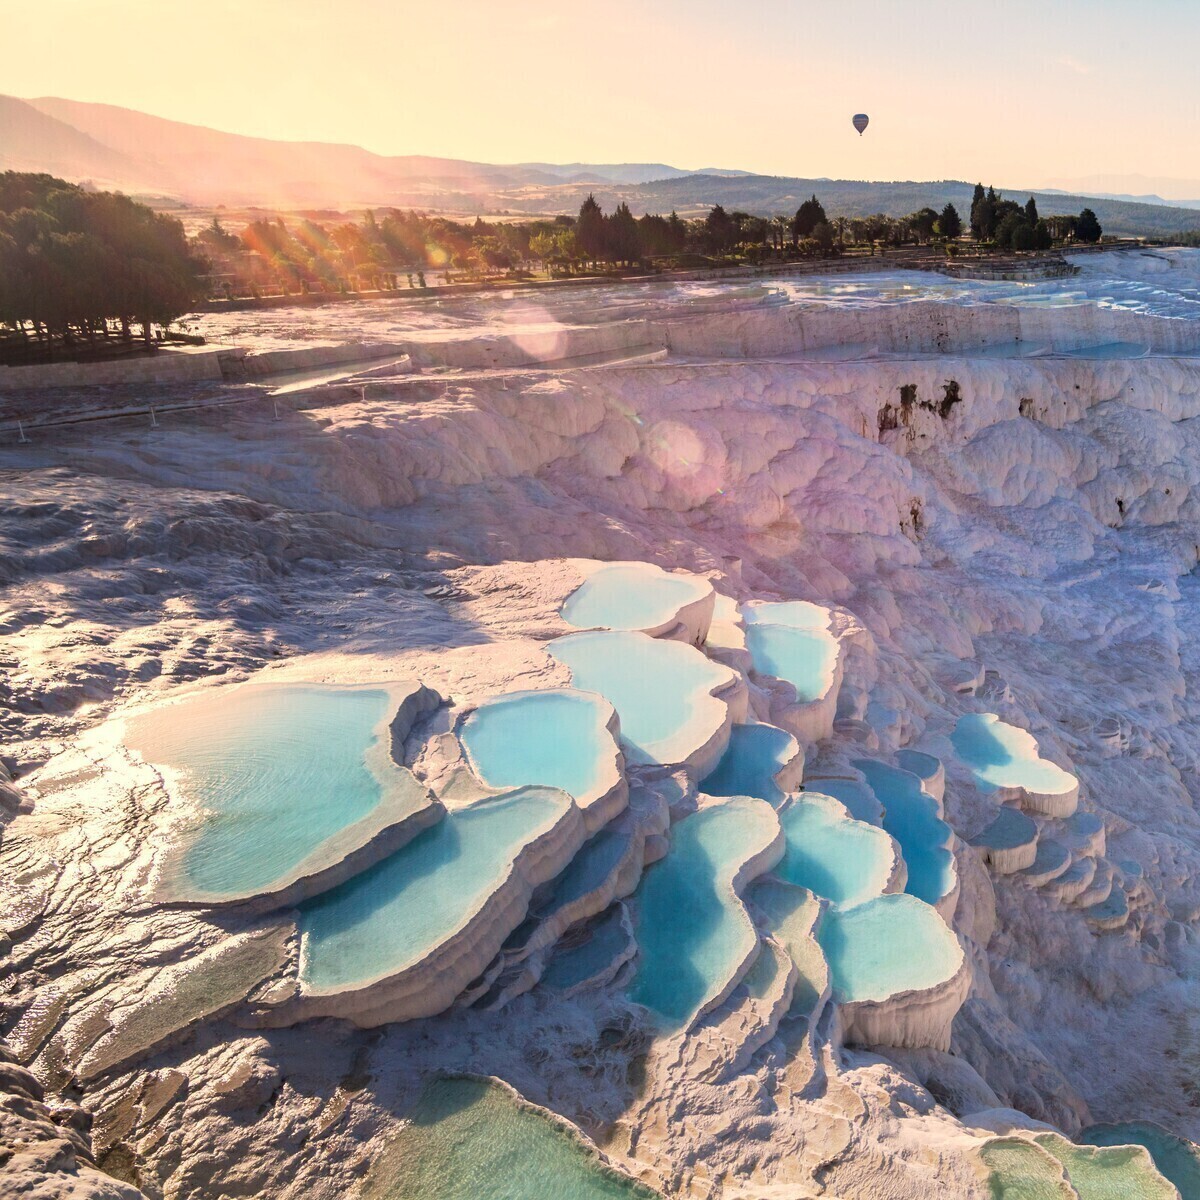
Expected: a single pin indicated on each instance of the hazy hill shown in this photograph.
(135, 152)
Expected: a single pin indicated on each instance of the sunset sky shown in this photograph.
(1022, 92)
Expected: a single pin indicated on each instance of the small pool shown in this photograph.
(888, 945)
(632, 596)
(605, 943)
(274, 772)
(1175, 1157)
(845, 861)
(557, 738)
(392, 915)
(791, 914)
(805, 658)
(1002, 756)
(796, 614)
(910, 815)
(693, 932)
(756, 754)
(470, 1138)
(662, 690)
(1125, 1172)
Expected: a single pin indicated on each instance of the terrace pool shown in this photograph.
(632, 596)
(796, 614)
(392, 915)
(557, 738)
(888, 945)
(910, 815)
(1174, 1157)
(693, 932)
(754, 757)
(804, 657)
(834, 856)
(1002, 756)
(662, 690)
(470, 1138)
(274, 772)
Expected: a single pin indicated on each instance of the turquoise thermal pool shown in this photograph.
(557, 738)
(1002, 756)
(791, 914)
(754, 756)
(912, 817)
(273, 771)
(606, 943)
(845, 861)
(632, 596)
(470, 1138)
(1175, 1158)
(1125, 1172)
(662, 690)
(805, 658)
(888, 945)
(795, 614)
(392, 915)
(693, 932)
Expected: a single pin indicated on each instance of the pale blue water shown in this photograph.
(470, 1139)
(1176, 1158)
(911, 816)
(660, 689)
(805, 658)
(755, 755)
(693, 933)
(843, 860)
(277, 769)
(797, 614)
(557, 738)
(392, 915)
(1001, 755)
(888, 945)
(631, 596)
(605, 943)
(860, 801)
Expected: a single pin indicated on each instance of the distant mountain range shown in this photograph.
(134, 152)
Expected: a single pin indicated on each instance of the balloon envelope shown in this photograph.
(861, 121)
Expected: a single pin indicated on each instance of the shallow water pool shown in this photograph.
(693, 932)
(803, 657)
(888, 945)
(910, 815)
(632, 596)
(392, 915)
(662, 690)
(273, 771)
(842, 860)
(557, 738)
(471, 1138)
(754, 756)
(1001, 755)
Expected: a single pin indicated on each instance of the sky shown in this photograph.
(1015, 92)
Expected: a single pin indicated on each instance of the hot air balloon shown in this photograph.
(861, 121)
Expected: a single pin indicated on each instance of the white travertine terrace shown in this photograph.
(429, 984)
(641, 597)
(404, 808)
(1037, 519)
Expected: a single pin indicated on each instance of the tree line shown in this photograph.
(78, 267)
(1012, 226)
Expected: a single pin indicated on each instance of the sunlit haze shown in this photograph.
(1024, 92)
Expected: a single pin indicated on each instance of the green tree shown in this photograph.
(949, 224)
(622, 241)
(1087, 227)
(1031, 212)
(590, 230)
(808, 216)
